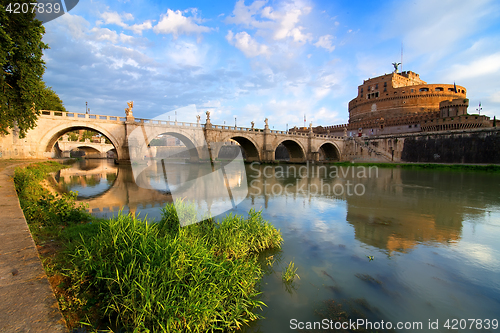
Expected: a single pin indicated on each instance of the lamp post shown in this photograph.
(86, 108)
(234, 122)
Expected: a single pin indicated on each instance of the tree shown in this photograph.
(21, 85)
(72, 136)
(87, 135)
(51, 100)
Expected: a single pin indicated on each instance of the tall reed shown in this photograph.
(166, 278)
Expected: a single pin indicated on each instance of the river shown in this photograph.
(406, 247)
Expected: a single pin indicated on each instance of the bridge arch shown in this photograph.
(187, 140)
(248, 145)
(50, 138)
(86, 148)
(329, 151)
(295, 149)
(85, 168)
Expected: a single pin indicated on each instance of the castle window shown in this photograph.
(451, 89)
(376, 86)
(439, 89)
(385, 89)
(411, 90)
(463, 91)
(385, 84)
(424, 89)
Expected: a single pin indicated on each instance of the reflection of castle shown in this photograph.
(404, 208)
(401, 103)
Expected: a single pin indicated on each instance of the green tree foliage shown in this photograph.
(87, 135)
(51, 100)
(21, 86)
(157, 142)
(72, 136)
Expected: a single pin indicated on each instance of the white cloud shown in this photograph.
(118, 19)
(244, 15)
(177, 24)
(115, 18)
(185, 53)
(325, 42)
(138, 28)
(278, 24)
(77, 26)
(105, 34)
(431, 21)
(486, 65)
(286, 21)
(324, 116)
(246, 44)
(495, 97)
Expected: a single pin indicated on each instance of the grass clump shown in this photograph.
(165, 278)
(290, 273)
(41, 208)
(129, 275)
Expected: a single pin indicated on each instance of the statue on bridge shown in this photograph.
(253, 124)
(267, 122)
(208, 124)
(128, 111)
(198, 119)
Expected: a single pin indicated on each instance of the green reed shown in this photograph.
(166, 278)
(290, 273)
(132, 275)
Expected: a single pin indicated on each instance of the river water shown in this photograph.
(408, 247)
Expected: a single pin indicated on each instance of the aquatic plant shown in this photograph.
(166, 278)
(289, 274)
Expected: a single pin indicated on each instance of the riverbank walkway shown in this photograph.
(27, 302)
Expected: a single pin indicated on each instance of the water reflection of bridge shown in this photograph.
(398, 210)
(122, 189)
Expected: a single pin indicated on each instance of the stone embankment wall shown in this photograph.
(458, 146)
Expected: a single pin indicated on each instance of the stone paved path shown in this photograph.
(27, 302)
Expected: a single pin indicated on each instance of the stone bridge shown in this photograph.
(92, 149)
(131, 138)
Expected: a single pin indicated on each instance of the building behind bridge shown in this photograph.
(403, 103)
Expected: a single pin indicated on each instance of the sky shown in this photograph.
(246, 61)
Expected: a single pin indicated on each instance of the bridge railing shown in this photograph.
(167, 122)
(82, 116)
(76, 115)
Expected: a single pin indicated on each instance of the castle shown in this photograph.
(403, 103)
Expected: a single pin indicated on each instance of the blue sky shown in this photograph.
(258, 59)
